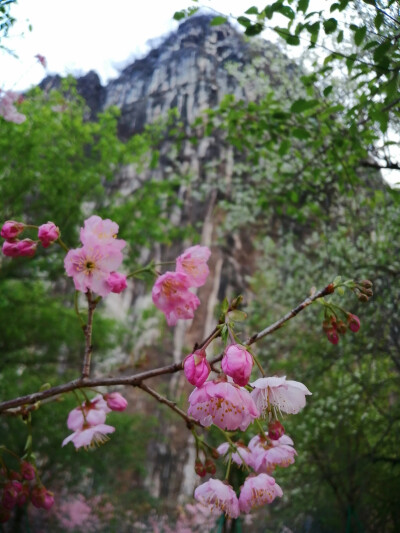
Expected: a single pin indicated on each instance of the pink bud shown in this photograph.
(26, 248)
(237, 363)
(10, 248)
(115, 401)
(27, 471)
(12, 229)
(116, 282)
(42, 498)
(354, 322)
(10, 494)
(275, 430)
(23, 495)
(48, 233)
(332, 335)
(196, 368)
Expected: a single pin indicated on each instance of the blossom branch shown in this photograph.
(190, 422)
(329, 289)
(137, 379)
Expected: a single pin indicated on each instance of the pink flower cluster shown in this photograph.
(333, 327)
(13, 247)
(224, 404)
(16, 490)
(171, 292)
(87, 420)
(93, 266)
(7, 108)
(256, 491)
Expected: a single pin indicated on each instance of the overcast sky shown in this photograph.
(76, 36)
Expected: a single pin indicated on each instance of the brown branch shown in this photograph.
(329, 289)
(136, 380)
(373, 164)
(190, 422)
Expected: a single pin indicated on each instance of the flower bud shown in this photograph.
(366, 283)
(42, 498)
(237, 363)
(116, 282)
(23, 495)
(196, 368)
(11, 229)
(341, 327)
(27, 470)
(362, 297)
(354, 322)
(210, 467)
(115, 401)
(214, 453)
(199, 468)
(48, 233)
(26, 248)
(275, 430)
(333, 336)
(10, 494)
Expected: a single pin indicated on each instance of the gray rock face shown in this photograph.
(186, 71)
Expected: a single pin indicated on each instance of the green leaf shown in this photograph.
(301, 133)
(254, 29)
(327, 91)
(217, 21)
(330, 25)
(286, 11)
(303, 5)
(252, 11)
(359, 35)
(301, 105)
(237, 316)
(284, 147)
(380, 51)
(179, 15)
(379, 20)
(340, 36)
(244, 21)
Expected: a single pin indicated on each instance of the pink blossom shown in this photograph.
(257, 491)
(170, 294)
(7, 109)
(91, 265)
(89, 436)
(332, 335)
(115, 401)
(91, 413)
(354, 322)
(193, 263)
(287, 396)
(48, 233)
(11, 229)
(237, 363)
(196, 368)
(42, 498)
(242, 455)
(219, 496)
(117, 282)
(225, 404)
(104, 231)
(27, 470)
(267, 454)
(10, 248)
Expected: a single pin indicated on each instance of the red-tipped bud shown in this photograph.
(199, 468)
(23, 496)
(11, 229)
(27, 471)
(362, 297)
(42, 498)
(329, 289)
(214, 453)
(210, 466)
(354, 322)
(366, 283)
(275, 430)
(341, 327)
(10, 494)
(333, 336)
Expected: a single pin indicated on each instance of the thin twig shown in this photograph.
(190, 422)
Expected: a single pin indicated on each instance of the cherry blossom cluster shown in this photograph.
(8, 111)
(333, 327)
(13, 247)
(94, 266)
(87, 420)
(19, 487)
(171, 292)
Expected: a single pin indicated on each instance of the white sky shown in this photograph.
(76, 36)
